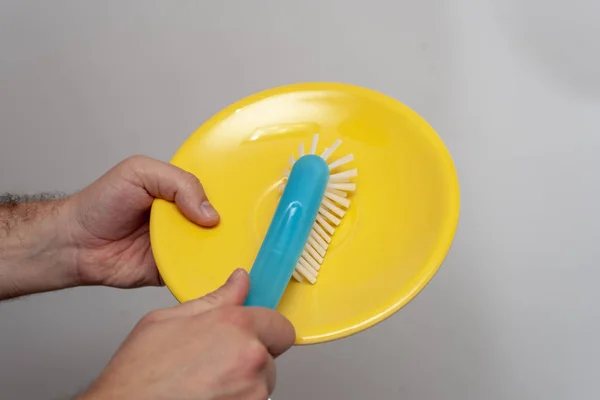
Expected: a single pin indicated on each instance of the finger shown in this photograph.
(168, 182)
(274, 330)
(232, 293)
(270, 375)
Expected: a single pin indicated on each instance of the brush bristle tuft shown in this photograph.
(332, 210)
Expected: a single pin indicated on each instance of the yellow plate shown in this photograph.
(392, 240)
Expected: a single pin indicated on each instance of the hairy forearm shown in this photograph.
(34, 253)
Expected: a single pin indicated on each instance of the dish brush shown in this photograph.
(314, 200)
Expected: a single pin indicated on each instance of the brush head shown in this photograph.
(333, 208)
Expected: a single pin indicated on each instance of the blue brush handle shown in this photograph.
(288, 232)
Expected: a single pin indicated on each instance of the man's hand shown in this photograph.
(206, 349)
(108, 221)
(98, 236)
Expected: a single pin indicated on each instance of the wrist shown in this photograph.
(35, 251)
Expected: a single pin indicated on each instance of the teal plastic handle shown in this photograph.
(288, 232)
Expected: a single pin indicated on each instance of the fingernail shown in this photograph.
(208, 210)
(236, 275)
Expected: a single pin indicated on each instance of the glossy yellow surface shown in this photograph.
(391, 242)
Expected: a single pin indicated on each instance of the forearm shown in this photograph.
(34, 253)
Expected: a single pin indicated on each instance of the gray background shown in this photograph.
(512, 87)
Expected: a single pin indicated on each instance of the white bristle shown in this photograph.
(343, 176)
(311, 261)
(310, 250)
(335, 192)
(313, 243)
(307, 273)
(340, 200)
(327, 153)
(333, 208)
(325, 224)
(341, 161)
(317, 228)
(329, 216)
(315, 271)
(330, 213)
(319, 239)
(350, 187)
(297, 276)
(313, 147)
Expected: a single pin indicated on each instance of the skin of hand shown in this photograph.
(99, 236)
(109, 220)
(210, 348)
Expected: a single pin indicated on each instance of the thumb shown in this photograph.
(166, 181)
(232, 293)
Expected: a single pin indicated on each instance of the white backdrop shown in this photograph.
(511, 86)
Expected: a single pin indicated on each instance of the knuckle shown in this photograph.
(132, 165)
(189, 179)
(285, 329)
(288, 332)
(134, 161)
(254, 356)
